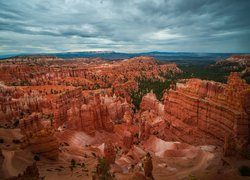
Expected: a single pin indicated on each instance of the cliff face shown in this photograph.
(38, 138)
(150, 102)
(201, 112)
(213, 108)
(62, 105)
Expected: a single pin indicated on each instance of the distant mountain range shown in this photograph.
(112, 55)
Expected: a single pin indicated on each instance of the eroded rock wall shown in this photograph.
(38, 137)
(201, 112)
(89, 113)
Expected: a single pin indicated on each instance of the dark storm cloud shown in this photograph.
(131, 25)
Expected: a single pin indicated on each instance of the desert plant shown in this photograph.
(103, 169)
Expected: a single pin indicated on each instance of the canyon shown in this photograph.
(72, 112)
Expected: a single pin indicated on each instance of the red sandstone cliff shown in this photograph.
(201, 112)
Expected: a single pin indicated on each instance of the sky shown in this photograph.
(46, 26)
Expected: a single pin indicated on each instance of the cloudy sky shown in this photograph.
(32, 26)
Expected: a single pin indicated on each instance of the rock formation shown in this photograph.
(31, 173)
(37, 138)
(56, 88)
(109, 153)
(242, 60)
(31, 124)
(148, 166)
(201, 112)
(89, 113)
(128, 139)
(213, 108)
(137, 176)
(86, 72)
(150, 115)
(236, 63)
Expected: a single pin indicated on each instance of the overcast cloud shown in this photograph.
(32, 26)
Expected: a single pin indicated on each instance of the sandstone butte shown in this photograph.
(199, 112)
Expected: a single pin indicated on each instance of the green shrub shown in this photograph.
(103, 169)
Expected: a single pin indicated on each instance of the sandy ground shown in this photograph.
(8, 167)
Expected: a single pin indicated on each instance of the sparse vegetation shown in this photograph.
(145, 86)
(206, 72)
(103, 169)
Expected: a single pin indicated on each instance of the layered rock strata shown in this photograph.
(38, 138)
(201, 112)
